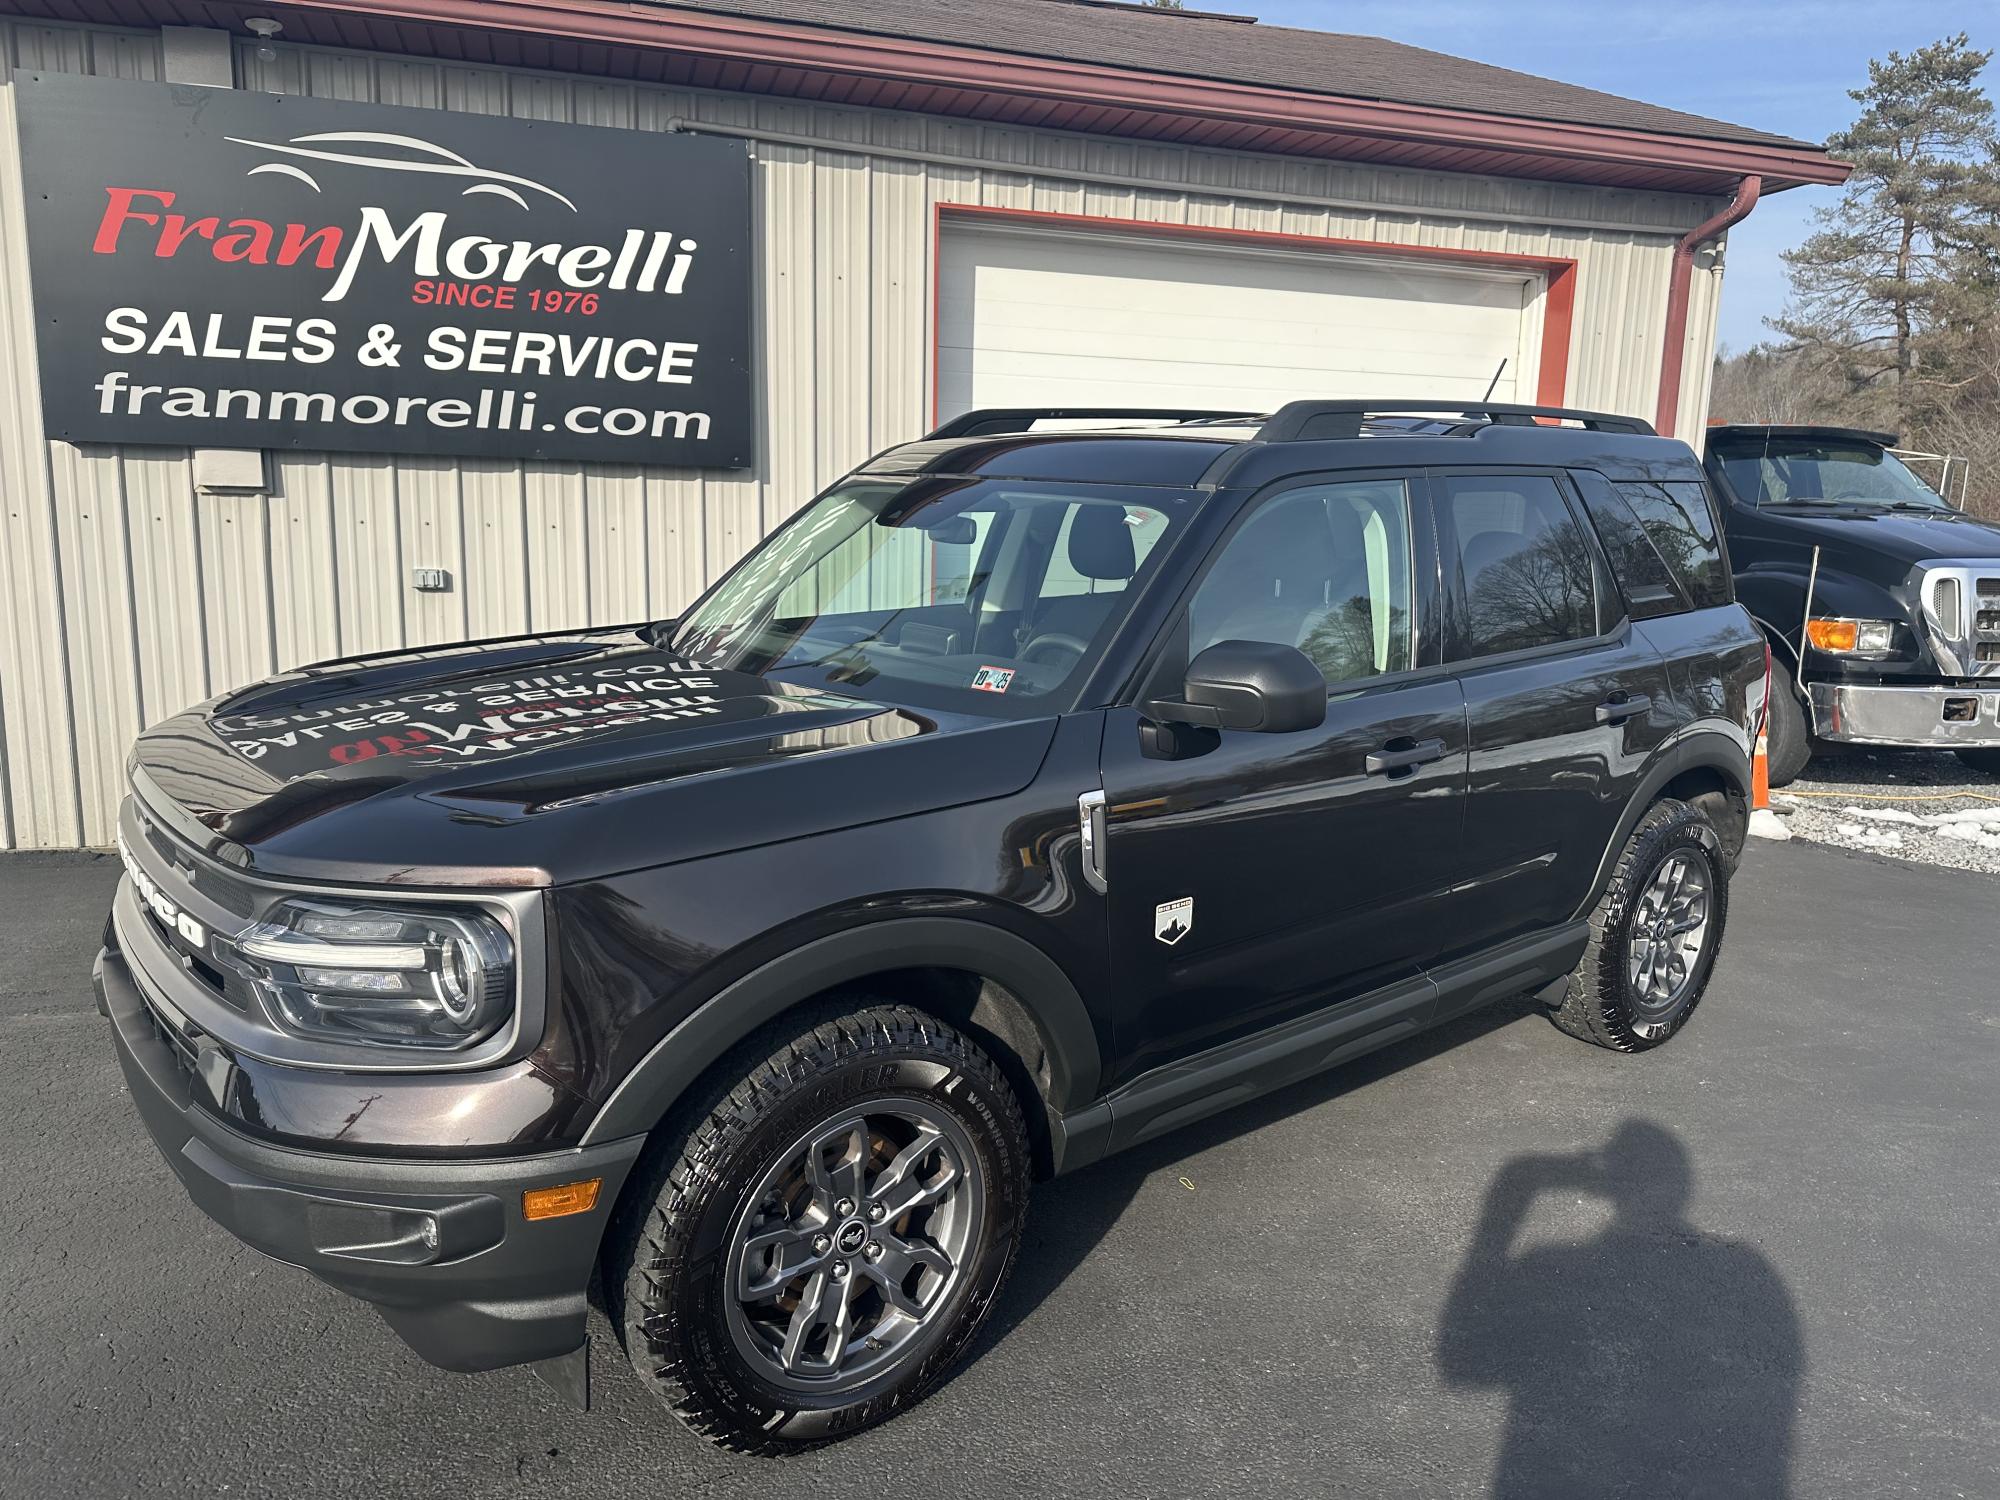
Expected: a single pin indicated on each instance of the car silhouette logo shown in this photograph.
(383, 152)
(1173, 920)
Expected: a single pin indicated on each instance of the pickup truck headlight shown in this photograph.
(1840, 637)
(390, 977)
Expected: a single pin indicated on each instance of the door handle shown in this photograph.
(1402, 755)
(1623, 706)
(1090, 829)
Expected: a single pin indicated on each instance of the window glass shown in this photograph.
(1527, 571)
(1650, 589)
(1325, 569)
(982, 596)
(1064, 578)
(1824, 471)
(1681, 526)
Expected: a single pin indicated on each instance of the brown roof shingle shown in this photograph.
(1320, 62)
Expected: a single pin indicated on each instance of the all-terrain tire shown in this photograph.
(667, 1267)
(1601, 1003)
(1791, 745)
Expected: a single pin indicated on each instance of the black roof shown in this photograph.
(1302, 438)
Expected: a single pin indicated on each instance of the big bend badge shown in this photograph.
(1173, 920)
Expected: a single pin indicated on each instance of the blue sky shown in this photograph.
(1779, 65)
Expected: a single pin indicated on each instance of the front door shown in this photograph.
(1257, 877)
(1565, 702)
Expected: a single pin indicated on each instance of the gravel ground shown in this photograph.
(1917, 805)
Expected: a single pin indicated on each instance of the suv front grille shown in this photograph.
(172, 877)
(184, 1051)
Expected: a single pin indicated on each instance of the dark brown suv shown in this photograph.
(1028, 794)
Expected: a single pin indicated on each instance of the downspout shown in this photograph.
(1682, 277)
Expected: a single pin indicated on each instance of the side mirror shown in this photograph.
(1255, 685)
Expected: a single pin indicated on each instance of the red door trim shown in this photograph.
(1558, 303)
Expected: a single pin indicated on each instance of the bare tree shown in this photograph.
(1767, 384)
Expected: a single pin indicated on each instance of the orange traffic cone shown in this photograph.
(1760, 773)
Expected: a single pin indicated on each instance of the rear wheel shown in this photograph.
(1790, 739)
(1981, 760)
(1653, 936)
(822, 1237)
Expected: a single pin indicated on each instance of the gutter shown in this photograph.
(1048, 171)
(1674, 355)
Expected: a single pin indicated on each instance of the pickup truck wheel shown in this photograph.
(1790, 740)
(1981, 760)
(824, 1233)
(1653, 936)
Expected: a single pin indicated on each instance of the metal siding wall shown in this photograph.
(124, 596)
(1698, 367)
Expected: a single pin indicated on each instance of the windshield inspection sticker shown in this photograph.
(993, 679)
(1173, 920)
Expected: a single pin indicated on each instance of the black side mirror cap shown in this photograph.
(1254, 685)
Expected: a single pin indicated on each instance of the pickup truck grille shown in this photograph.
(1961, 608)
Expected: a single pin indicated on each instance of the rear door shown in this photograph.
(1565, 702)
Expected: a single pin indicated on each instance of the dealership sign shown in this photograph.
(223, 269)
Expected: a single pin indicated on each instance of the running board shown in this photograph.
(1180, 1093)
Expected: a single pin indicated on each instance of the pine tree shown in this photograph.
(1908, 252)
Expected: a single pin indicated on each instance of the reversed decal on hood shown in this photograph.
(454, 720)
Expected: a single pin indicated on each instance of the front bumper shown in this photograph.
(440, 1247)
(1943, 718)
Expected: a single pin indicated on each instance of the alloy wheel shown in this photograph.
(844, 1257)
(1669, 931)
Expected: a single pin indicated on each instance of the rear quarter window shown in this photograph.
(1663, 542)
(1680, 523)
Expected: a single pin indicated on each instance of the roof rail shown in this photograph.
(1303, 421)
(1001, 419)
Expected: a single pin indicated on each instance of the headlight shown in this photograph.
(1852, 637)
(388, 977)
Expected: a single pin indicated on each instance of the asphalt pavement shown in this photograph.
(1490, 1261)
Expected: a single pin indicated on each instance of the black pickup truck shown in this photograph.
(1880, 599)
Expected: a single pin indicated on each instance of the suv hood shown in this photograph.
(535, 760)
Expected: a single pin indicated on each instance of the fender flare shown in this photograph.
(701, 1039)
(1698, 748)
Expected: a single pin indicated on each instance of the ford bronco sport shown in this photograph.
(1881, 601)
(1028, 794)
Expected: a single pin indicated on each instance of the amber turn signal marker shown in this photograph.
(1833, 635)
(554, 1202)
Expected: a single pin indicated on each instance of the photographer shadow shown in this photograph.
(1651, 1359)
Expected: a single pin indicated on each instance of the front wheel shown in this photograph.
(824, 1234)
(1791, 743)
(1653, 936)
(1987, 761)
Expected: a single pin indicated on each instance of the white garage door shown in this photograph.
(1047, 318)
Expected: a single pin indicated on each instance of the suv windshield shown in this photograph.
(1825, 472)
(977, 595)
